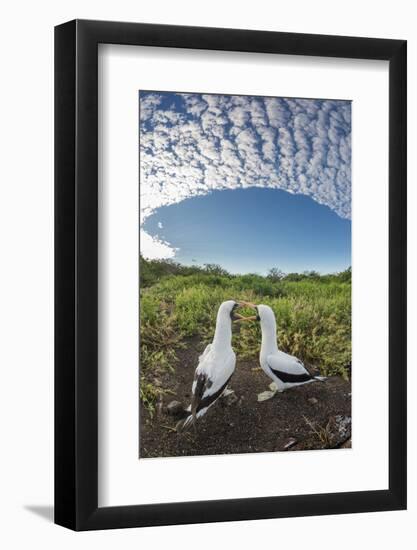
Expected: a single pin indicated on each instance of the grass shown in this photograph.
(322, 433)
(313, 316)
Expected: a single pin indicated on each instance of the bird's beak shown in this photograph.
(241, 319)
(247, 304)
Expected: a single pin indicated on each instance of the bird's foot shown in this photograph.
(273, 387)
(264, 396)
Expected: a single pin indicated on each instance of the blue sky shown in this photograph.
(246, 182)
(252, 230)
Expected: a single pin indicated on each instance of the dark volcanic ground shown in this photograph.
(312, 416)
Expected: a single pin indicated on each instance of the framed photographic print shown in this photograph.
(230, 275)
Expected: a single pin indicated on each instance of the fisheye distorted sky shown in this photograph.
(196, 145)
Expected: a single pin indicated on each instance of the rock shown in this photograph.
(339, 429)
(229, 398)
(343, 425)
(347, 444)
(175, 408)
(312, 400)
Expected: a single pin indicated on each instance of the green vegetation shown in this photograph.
(313, 315)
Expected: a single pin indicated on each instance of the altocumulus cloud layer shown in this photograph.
(192, 144)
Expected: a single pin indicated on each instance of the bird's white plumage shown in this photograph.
(205, 352)
(216, 366)
(285, 370)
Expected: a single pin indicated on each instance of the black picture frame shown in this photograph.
(76, 272)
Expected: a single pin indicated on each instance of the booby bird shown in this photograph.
(215, 367)
(286, 371)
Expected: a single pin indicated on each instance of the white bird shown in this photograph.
(286, 371)
(216, 366)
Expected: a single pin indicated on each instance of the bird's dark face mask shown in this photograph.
(233, 313)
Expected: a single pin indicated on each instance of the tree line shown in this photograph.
(151, 271)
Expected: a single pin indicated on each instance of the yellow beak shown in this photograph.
(241, 319)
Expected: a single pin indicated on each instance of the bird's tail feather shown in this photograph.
(320, 378)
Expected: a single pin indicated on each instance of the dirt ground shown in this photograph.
(312, 416)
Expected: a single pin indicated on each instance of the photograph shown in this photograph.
(244, 274)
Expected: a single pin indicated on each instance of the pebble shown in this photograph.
(290, 443)
(312, 400)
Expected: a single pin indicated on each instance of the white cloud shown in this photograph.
(154, 249)
(193, 144)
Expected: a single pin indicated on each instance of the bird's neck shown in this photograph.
(269, 338)
(223, 333)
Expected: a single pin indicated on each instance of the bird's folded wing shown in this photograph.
(211, 394)
(209, 383)
(288, 368)
(200, 386)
